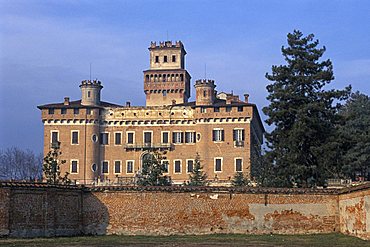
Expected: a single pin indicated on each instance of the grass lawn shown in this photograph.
(322, 240)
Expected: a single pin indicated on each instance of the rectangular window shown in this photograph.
(157, 59)
(104, 138)
(76, 111)
(177, 137)
(117, 138)
(165, 59)
(189, 166)
(63, 111)
(218, 135)
(74, 137)
(240, 108)
(173, 58)
(130, 166)
(51, 111)
(130, 137)
(105, 167)
(177, 166)
(216, 109)
(238, 137)
(54, 137)
(203, 110)
(88, 111)
(165, 136)
(190, 137)
(228, 108)
(74, 166)
(117, 166)
(147, 137)
(218, 164)
(165, 164)
(238, 164)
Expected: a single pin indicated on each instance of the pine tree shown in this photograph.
(197, 177)
(152, 171)
(51, 167)
(239, 180)
(303, 113)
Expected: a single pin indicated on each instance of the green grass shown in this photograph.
(321, 240)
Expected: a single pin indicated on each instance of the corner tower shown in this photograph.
(90, 92)
(167, 80)
(205, 92)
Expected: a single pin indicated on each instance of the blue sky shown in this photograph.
(46, 48)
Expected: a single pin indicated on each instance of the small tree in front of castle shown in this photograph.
(197, 176)
(152, 171)
(51, 167)
(240, 180)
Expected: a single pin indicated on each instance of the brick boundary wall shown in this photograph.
(37, 209)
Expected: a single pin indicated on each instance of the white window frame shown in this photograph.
(237, 158)
(181, 137)
(168, 137)
(174, 166)
(133, 166)
(78, 137)
(102, 167)
(115, 138)
(221, 130)
(168, 166)
(103, 138)
(133, 137)
(214, 164)
(114, 167)
(51, 135)
(187, 170)
(194, 136)
(70, 168)
(151, 135)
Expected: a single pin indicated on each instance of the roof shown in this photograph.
(76, 104)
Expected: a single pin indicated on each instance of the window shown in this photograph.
(218, 135)
(104, 138)
(157, 59)
(117, 166)
(147, 137)
(165, 137)
(130, 138)
(173, 58)
(63, 111)
(51, 111)
(177, 166)
(164, 93)
(238, 137)
(88, 94)
(93, 167)
(177, 137)
(54, 137)
(228, 108)
(165, 59)
(238, 164)
(94, 138)
(216, 109)
(203, 110)
(218, 164)
(240, 108)
(105, 167)
(190, 137)
(165, 164)
(74, 137)
(117, 138)
(189, 166)
(76, 111)
(74, 166)
(88, 111)
(204, 93)
(129, 166)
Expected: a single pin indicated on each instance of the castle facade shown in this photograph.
(106, 143)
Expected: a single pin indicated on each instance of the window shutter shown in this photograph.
(222, 135)
(214, 135)
(193, 137)
(243, 134)
(174, 137)
(235, 132)
(182, 137)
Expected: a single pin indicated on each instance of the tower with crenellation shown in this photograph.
(167, 81)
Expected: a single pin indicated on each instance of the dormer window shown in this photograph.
(174, 58)
(165, 59)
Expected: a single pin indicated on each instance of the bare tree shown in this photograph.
(18, 164)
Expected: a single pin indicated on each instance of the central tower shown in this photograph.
(167, 81)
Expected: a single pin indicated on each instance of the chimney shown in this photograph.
(128, 104)
(246, 98)
(66, 100)
(229, 99)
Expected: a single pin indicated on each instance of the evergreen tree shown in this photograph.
(197, 177)
(303, 113)
(239, 180)
(356, 136)
(51, 167)
(152, 171)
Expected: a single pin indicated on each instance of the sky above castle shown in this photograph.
(46, 48)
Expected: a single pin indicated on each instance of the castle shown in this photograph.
(107, 143)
